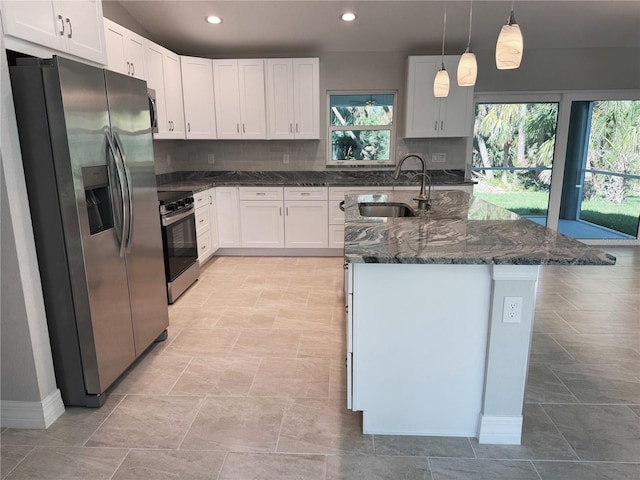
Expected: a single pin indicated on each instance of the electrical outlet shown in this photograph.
(440, 157)
(512, 311)
(285, 159)
(210, 158)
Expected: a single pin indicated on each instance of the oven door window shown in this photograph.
(180, 246)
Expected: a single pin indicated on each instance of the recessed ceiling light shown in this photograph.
(213, 19)
(348, 17)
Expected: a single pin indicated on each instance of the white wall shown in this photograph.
(26, 364)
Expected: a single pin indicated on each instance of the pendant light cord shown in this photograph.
(470, 20)
(444, 30)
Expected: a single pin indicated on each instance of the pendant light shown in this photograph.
(468, 66)
(510, 45)
(441, 83)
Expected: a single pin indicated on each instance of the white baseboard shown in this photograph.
(32, 415)
(500, 430)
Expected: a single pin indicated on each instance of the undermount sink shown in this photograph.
(385, 209)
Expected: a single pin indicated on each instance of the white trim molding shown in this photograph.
(32, 415)
(500, 430)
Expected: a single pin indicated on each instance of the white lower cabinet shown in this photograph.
(228, 213)
(261, 217)
(306, 217)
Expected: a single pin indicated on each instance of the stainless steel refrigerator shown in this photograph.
(87, 150)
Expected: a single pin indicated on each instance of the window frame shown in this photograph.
(391, 128)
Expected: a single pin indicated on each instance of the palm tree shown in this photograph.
(499, 126)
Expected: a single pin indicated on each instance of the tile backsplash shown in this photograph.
(269, 155)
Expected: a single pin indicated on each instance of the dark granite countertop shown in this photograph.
(198, 181)
(459, 229)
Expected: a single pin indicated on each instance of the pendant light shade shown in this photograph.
(468, 66)
(441, 83)
(467, 70)
(510, 45)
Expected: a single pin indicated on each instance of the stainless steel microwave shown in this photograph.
(153, 109)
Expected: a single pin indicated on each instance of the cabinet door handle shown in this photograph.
(287, 209)
(188, 126)
(305, 194)
(70, 34)
(133, 69)
(210, 200)
(291, 128)
(128, 68)
(435, 125)
(297, 129)
(61, 20)
(441, 124)
(237, 128)
(243, 131)
(280, 211)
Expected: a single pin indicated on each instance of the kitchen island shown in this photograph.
(440, 314)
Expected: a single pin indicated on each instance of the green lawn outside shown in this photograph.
(620, 217)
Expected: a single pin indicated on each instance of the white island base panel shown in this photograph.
(429, 353)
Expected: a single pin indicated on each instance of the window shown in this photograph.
(361, 128)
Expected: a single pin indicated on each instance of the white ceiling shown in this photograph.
(307, 26)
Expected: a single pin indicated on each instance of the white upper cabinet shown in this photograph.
(306, 98)
(163, 75)
(240, 99)
(125, 50)
(74, 27)
(293, 100)
(428, 116)
(197, 92)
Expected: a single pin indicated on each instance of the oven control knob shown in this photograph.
(180, 203)
(171, 207)
(188, 201)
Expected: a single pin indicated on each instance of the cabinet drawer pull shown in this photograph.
(61, 20)
(261, 193)
(70, 34)
(305, 194)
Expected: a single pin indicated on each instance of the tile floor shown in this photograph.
(250, 385)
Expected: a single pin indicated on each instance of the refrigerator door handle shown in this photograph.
(120, 230)
(127, 175)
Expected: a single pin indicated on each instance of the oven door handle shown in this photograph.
(170, 219)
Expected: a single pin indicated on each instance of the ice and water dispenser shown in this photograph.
(96, 191)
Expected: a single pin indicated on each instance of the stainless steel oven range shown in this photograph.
(177, 215)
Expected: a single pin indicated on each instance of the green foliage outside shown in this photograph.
(523, 136)
(622, 218)
(361, 143)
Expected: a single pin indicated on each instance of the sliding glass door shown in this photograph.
(601, 189)
(591, 145)
(513, 149)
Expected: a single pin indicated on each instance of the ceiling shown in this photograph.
(412, 27)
